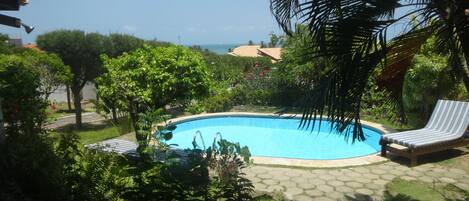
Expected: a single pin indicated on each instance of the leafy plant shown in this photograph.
(221, 102)
(23, 105)
(195, 108)
(228, 160)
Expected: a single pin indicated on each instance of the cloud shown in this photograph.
(129, 28)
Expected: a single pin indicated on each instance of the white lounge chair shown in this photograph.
(445, 130)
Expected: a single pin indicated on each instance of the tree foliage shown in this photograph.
(121, 43)
(29, 169)
(53, 72)
(298, 69)
(149, 78)
(22, 103)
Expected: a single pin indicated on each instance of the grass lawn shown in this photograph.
(95, 133)
(61, 110)
(399, 189)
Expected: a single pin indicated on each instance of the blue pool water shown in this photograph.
(276, 137)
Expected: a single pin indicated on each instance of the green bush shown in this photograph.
(195, 108)
(428, 80)
(90, 174)
(30, 170)
(22, 105)
(378, 104)
(221, 102)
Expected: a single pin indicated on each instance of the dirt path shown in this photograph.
(92, 118)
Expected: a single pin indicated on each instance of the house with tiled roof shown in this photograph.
(31, 46)
(275, 54)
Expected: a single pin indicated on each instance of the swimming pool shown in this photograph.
(274, 137)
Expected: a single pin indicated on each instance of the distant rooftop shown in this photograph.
(31, 46)
(256, 51)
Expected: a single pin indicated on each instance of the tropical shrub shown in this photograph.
(228, 159)
(428, 80)
(219, 103)
(23, 105)
(29, 169)
(195, 108)
(297, 71)
(431, 77)
(90, 174)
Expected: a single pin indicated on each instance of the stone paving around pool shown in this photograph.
(353, 182)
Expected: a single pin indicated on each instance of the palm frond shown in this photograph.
(399, 56)
(352, 36)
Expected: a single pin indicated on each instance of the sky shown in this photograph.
(188, 22)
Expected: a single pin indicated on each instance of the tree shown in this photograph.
(121, 43)
(262, 44)
(53, 72)
(151, 77)
(275, 40)
(250, 42)
(353, 35)
(81, 52)
(297, 69)
(23, 102)
(4, 47)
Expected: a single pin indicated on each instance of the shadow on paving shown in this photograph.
(85, 126)
(432, 157)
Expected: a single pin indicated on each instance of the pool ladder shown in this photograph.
(201, 138)
(198, 133)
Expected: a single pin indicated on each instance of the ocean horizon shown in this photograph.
(218, 48)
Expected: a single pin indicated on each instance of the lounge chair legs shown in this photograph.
(413, 160)
(384, 145)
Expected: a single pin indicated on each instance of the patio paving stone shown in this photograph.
(344, 189)
(270, 181)
(325, 188)
(302, 198)
(336, 195)
(273, 188)
(306, 186)
(314, 192)
(288, 184)
(364, 191)
(336, 184)
(354, 185)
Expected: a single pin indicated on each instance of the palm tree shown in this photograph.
(354, 36)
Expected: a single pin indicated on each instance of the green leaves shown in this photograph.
(149, 78)
(156, 76)
(53, 71)
(23, 103)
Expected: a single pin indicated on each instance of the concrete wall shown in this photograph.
(60, 95)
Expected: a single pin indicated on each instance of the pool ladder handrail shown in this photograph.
(201, 137)
(218, 134)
